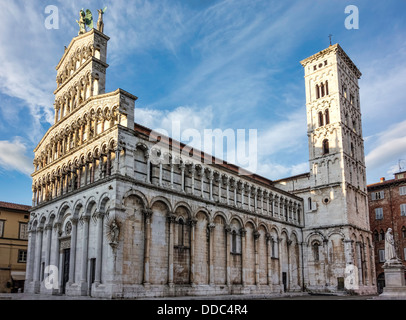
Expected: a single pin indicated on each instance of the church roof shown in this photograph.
(208, 158)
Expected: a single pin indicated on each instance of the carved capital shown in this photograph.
(171, 217)
(192, 222)
(243, 232)
(147, 213)
(227, 228)
(211, 226)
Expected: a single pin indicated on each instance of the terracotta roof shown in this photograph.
(14, 206)
(385, 183)
(204, 157)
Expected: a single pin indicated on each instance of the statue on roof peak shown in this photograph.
(85, 20)
(100, 23)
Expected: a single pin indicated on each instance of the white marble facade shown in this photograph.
(117, 215)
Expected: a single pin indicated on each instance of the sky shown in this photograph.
(206, 65)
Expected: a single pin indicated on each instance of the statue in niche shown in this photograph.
(113, 232)
(390, 251)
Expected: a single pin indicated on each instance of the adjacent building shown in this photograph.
(120, 211)
(13, 246)
(387, 209)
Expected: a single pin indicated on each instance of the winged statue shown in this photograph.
(85, 20)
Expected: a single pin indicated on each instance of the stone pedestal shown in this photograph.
(395, 287)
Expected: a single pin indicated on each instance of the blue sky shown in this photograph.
(207, 64)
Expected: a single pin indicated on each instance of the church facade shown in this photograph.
(120, 211)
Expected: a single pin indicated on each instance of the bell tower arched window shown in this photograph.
(316, 255)
(326, 147)
(320, 119)
(327, 116)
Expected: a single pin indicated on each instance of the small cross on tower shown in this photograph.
(329, 36)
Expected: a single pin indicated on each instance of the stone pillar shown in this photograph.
(38, 256)
(211, 227)
(306, 253)
(171, 219)
(117, 160)
(202, 182)
(227, 191)
(243, 233)
(149, 178)
(192, 251)
(99, 248)
(160, 174)
(289, 275)
(243, 196)
(359, 262)
(147, 218)
(228, 250)
(30, 256)
(72, 258)
(235, 193)
(365, 264)
(262, 195)
(278, 245)
(249, 197)
(85, 248)
(256, 237)
(48, 229)
(220, 186)
(182, 178)
(171, 164)
(57, 261)
(268, 260)
(211, 177)
(193, 171)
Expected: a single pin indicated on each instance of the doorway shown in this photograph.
(284, 281)
(92, 274)
(65, 275)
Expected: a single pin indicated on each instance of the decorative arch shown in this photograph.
(162, 199)
(138, 194)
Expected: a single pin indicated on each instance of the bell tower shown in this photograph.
(336, 147)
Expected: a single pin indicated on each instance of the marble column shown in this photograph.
(38, 256)
(99, 248)
(147, 219)
(72, 258)
(85, 248)
(211, 227)
(192, 251)
(171, 221)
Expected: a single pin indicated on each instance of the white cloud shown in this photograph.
(13, 156)
(275, 171)
(286, 134)
(387, 148)
(184, 116)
